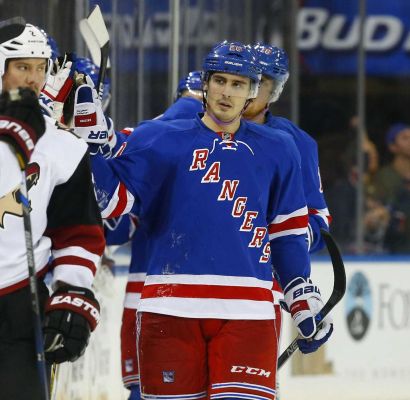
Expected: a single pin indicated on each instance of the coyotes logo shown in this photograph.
(10, 203)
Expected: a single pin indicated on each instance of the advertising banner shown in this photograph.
(328, 36)
(368, 356)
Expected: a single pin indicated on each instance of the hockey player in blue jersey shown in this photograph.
(217, 198)
(275, 71)
(188, 100)
(274, 64)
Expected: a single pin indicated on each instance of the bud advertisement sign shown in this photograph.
(328, 36)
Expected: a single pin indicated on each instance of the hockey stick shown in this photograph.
(96, 36)
(35, 302)
(339, 289)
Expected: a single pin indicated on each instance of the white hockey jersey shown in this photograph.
(66, 223)
(10, 175)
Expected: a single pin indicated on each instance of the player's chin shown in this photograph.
(35, 89)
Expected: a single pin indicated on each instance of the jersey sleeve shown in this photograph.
(75, 228)
(134, 176)
(120, 230)
(289, 218)
(319, 217)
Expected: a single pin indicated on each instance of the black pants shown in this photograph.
(19, 377)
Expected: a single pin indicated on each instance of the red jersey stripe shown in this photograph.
(74, 260)
(134, 287)
(89, 237)
(314, 211)
(207, 292)
(291, 223)
(122, 201)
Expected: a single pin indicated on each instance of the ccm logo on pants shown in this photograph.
(250, 371)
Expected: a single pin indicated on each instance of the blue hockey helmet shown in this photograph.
(86, 66)
(191, 82)
(274, 64)
(55, 51)
(234, 58)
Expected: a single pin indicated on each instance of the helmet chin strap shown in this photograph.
(261, 113)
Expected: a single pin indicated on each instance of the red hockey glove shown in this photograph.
(58, 86)
(71, 314)
(21, 122)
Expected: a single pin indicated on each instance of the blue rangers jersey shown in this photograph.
(119, 231)
(215, 209)
(319, 216)
(183, 108)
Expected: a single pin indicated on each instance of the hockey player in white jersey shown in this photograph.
(219, 199)
(21, 107)
(66, 229)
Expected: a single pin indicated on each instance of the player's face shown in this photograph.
(227, 94)
(25, 72)
(264, 93)
(401, 145)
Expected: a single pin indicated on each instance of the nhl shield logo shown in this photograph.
(168, 376)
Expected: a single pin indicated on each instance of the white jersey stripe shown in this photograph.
(218, 280)
(209, 308)
(115, 199)
(77, 251)
(299, 231)
(132, 300)
(283, 217)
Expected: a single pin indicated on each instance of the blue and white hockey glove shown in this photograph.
(303, 301)
(90, 122)
(135, 393)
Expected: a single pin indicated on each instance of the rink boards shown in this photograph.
(368, 357)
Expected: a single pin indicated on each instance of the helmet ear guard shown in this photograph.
(279, 86)
(274, 64)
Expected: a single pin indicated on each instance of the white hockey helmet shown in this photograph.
(22, 41)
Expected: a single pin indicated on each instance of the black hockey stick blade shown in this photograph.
(339, 289)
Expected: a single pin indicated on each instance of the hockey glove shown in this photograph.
(71, 314)
(21, 122)
(89, 120)
(58, 86)
(135, 392)
(303, 301)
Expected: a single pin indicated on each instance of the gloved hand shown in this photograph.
(21, 122)
(58, 86)
(71, 314)
(303, 301)
(135, 393)
(89, 120)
